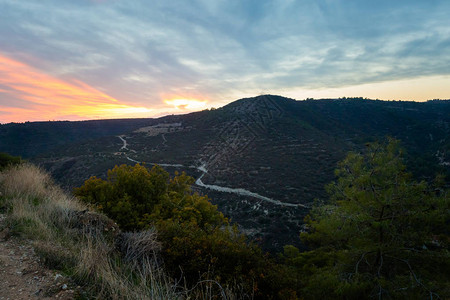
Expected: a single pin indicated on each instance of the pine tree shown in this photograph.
(382, 235)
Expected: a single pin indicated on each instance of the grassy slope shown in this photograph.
(81, 243)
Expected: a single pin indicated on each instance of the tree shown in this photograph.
(382, 234)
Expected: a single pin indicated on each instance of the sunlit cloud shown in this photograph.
(50, 98)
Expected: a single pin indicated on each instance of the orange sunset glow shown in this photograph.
(42, 97)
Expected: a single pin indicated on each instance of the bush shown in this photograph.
(135, 197)
(7, 160)
(197, 240)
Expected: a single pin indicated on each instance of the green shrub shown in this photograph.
(135, 197)
(7, 160)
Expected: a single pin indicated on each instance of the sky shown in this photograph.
(91, 59)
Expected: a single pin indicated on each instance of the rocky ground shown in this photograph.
(22, 275)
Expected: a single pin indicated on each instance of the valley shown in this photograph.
(263, 161)
(199, 182)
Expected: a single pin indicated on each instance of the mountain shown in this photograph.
(262, 160)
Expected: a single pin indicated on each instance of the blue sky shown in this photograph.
(140, 55)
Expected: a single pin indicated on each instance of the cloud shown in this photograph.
(140, 51)
(44, 97)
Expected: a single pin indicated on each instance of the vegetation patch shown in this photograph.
(78, 242)
(381, 234)
(7, 160)
(197, 240)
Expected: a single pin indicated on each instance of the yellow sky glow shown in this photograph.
(416, 89)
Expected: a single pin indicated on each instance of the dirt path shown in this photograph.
(22, 276)
(124, 141)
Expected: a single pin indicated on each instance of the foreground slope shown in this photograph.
(52, 230)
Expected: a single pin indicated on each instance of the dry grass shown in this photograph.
(33, 202)
(81, 243)
(139, 246)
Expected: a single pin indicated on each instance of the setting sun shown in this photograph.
(190, 104)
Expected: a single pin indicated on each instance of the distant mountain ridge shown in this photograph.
(33, 138)
(279, 148)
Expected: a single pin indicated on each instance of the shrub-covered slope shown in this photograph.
(173, 233)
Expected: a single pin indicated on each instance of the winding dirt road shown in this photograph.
(199, 182)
